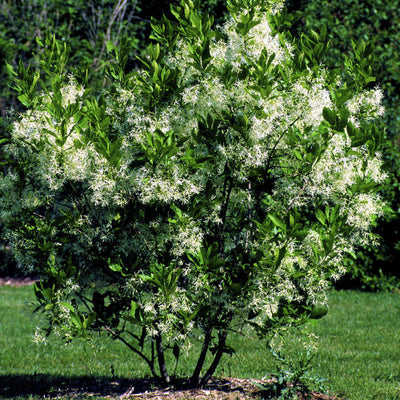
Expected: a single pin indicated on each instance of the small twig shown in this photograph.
(119, 8)
(283, 133)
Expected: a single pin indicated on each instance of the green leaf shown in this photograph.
(68, 305)
(291, 220)
(329, 115)
(277, 221)
(321, 217)
(76, 319)
(297, 155)
(351, 129)
(115, 267)
(318, 312)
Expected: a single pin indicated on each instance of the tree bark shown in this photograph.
(161, 360)
(217, 358)
(150, 363)
(200, 362)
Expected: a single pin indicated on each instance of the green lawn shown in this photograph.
(359, 351)
(360, 345)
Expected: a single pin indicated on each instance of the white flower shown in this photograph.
(71, 93)
(363, 207)
(260, 38)
(367, 104)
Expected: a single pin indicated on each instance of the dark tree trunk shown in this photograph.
(220, 351)
(161, 360)
(202, 357)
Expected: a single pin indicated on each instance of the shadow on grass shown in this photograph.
(16, 386)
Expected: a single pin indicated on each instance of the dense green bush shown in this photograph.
(7, 264)
(86, 25)
(376, 22)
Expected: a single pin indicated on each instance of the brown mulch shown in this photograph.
(16, 282)
(217, 389)
(124, 389)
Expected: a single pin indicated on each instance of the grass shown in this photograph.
(360, 345)
(359, 349)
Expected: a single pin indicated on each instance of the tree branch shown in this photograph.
(150, 363)
(220, 351)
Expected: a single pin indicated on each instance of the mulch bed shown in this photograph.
(86, 387)
(16, 282)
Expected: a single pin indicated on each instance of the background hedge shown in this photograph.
(86, 25)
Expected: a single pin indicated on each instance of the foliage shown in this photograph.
(219, 186)
(7, 264)
(86, 26)
(375, 22)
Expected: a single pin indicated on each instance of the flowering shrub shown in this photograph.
(376, 268)
(220, 184)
